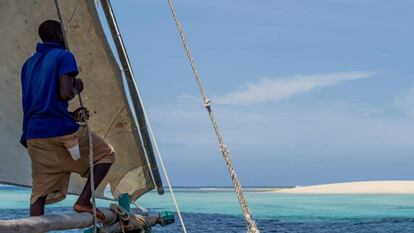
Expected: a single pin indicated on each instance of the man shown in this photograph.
(56, 142)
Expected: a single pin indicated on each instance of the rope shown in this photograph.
(140, 222)
(91, 170)
(251, 225)
(85, 121)
(123, 217)
(121, 214)
(166, 175)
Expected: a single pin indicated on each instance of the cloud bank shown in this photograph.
(276, 90)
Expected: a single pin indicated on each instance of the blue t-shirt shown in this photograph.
(45, 113)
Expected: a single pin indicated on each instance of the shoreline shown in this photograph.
(359, 187)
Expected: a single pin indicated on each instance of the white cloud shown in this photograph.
(315, 125)
(406, 101)
(278, 89)
(187, 98)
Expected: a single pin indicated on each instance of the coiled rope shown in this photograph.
(123, 217)
(251, 225)
(85, 121)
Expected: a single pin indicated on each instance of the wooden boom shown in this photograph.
(53, 222)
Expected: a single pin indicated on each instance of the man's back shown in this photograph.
(56, 144)
(45, 113)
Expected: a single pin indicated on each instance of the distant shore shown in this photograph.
(363, 187)
(360, 187)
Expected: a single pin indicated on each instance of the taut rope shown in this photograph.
(252, 228)
(84, 120)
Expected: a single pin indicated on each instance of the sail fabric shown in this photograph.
(104, 94)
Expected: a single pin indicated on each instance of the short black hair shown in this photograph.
(49, 29)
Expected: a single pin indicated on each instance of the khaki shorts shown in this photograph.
(52, 163)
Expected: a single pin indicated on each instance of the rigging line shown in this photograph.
(127, 67)
(90, 143)
(72, 16)
(61, 24)
(165, 174)
(252, 228)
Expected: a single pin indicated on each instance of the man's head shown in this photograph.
(51, 31)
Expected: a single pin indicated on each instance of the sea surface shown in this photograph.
(217, 210)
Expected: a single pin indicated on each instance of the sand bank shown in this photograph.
(386, 187)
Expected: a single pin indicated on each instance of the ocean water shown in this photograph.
(218, 211)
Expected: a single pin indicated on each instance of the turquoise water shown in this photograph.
(274, 212)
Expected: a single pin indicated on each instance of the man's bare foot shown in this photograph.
(80, 208)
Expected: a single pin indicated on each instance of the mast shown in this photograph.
(137, 107)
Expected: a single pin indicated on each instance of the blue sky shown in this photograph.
(306, 92)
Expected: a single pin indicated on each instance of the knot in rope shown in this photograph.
(124, 218)
(207, 103)
(120, 212)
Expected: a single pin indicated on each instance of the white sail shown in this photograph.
(134, 171)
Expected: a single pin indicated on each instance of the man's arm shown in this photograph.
(69, 86)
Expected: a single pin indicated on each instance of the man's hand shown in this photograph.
(81, 114)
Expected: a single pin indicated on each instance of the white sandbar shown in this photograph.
(386, 187)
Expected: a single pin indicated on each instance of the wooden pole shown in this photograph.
(134, 95)
(53, 222)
